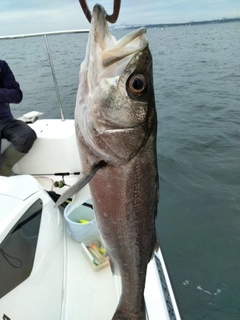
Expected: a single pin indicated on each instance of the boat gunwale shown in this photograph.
(40, 34)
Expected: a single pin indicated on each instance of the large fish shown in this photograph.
(116, 126)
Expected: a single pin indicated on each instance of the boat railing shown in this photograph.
(45, 35)
(41, 34)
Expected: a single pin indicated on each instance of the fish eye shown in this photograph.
(137, 84)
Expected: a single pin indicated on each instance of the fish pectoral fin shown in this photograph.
(76, 187)
(113, 268)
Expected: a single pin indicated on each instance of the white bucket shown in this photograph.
(81, 231)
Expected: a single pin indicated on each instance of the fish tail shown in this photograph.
(125, 311)
(128, 316)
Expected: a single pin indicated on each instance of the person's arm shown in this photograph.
(10, 91)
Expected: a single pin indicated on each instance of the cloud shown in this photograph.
(26, 16)
(43, 19)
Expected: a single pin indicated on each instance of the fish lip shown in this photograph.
(113, 130)
(118, 130)
(122, 44)
(99, 25)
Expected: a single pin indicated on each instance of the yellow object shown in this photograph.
(83, 221)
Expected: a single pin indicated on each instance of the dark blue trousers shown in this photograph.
(18, 133)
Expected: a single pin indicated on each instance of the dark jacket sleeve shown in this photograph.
(10, 91)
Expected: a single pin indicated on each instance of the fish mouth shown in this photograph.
(115, 54)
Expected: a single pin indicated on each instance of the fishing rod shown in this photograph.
(60, 183)
(54, 77)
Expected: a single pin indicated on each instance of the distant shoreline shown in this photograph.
(167, 25)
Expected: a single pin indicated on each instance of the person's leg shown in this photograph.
(10, 157)
(22, 138)
(19, 134)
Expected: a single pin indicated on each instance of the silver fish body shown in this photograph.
(116, 124)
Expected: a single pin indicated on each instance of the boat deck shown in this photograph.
(90, 285)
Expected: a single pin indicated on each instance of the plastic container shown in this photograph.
(96, 263)
(81, 231)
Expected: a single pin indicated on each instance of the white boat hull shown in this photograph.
(62, 284)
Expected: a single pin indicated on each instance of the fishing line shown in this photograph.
(7, 256)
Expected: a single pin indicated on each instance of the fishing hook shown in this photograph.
(110, 18)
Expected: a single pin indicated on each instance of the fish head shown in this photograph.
(115, 107)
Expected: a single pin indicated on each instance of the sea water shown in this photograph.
(197, 93)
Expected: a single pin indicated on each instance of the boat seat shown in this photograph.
(54, 151)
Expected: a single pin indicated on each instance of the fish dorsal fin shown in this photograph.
(76, 187)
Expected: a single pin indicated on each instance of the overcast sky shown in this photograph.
(30, 16)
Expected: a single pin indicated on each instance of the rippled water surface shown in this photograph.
(197, 88)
